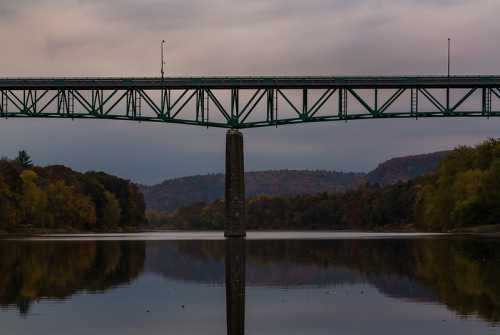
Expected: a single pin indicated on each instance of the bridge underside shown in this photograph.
(247, 102)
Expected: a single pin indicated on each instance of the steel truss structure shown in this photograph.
(247, 102)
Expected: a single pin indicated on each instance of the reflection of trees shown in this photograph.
(283, 262)
(30, 271)
(460, 273)
(464, 273)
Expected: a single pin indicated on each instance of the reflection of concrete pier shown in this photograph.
(235, 285)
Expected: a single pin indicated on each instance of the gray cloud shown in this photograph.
(259, 37)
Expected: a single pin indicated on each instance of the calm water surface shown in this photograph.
(272, 283)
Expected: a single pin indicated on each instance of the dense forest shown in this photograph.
(463, 192)
(368, 207)
(56, 198)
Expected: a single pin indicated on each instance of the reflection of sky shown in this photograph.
(124, 311)
(222, 37)
(345, 309)
(348, 309)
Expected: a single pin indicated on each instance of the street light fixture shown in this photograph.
(162, 59)
(448, 89)
(449, 56)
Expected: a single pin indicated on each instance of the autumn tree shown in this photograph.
(58, 197)
(70, 208)
(8, 210)
(33, 201)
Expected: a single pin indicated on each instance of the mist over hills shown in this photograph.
(174, 193)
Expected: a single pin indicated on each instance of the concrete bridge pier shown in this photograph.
(235, 185)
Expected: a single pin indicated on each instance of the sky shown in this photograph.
(251, 37)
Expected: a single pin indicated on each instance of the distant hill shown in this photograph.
(174, 193)
(405, 168)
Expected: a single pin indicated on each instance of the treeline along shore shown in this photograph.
(37, 199)
(461, 194)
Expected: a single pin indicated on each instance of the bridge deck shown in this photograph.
(320, 82)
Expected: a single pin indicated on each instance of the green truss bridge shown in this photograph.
(248, 102)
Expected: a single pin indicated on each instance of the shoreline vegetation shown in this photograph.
(57, 198)
(462, 195)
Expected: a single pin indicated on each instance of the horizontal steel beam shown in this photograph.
(240, 108)
(320, 82)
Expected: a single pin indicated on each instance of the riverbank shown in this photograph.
(31, 231)
(490, 230)
(484, 229)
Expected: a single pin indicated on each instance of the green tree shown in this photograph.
(130, 199)
(111, 211)
(464, 191)
(467, 198)
(24, 159)
(490, 193)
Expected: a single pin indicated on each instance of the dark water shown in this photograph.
(177, 284)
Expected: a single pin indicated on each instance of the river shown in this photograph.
(270, 283)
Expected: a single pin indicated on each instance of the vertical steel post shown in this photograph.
(414, 102)
(447, 101)
(270, 105)
(235, 185)
(483, 101)
(305, 108)
(235, 285)
(3, 103)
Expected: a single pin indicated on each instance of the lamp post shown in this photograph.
(448, 89)
(449, 56)
(162, 60)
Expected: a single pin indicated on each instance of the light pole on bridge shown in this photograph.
(449, 55)
(448, 89)
(163, 44)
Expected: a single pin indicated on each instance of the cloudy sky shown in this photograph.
(242, 37)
